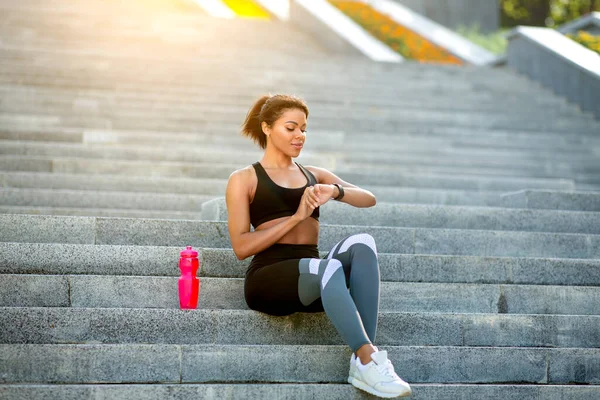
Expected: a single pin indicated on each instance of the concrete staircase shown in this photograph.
(118, 130)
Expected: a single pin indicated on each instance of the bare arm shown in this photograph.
(353, 195)
(244, 242)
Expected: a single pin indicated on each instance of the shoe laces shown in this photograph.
(387, 369)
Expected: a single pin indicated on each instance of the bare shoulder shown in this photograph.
(242, 180)
(243, 174)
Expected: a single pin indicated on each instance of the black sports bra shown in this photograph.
(272, 201)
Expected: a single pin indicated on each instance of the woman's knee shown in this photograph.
(359, 239)
(363, 255)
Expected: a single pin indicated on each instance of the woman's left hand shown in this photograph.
(323, 192)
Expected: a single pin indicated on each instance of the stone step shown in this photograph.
(516, 138)
(422, 98)
(82, 199)
(237, 30)
(14, 121)
(217, 61)
(580, 170)
(99, 212)
(405, 152)
(322, 112)
(124, 260)
(193, 87)
(218, 136)
(454, 76)
(101, 291)
(396, 137)
(452, 181)
(48, 25)
(177, 152)
(216, 187)
(589, 187)
(121, 183)
(170, 363)
(553, 200)
(18, 52)
(483, 77)
(161, 33)
(175, 120)
(444, 217)
(242, 96)
(217, 391)
(44, 134)
(220, 63)
(47, 28)
(58, 325)
(51, 6)
(426, 163)
(491, 142)
(32, 48)
(115, 27)
(446, 142)
(90, 107)
(65, 98)
(480, 79)
(151, 232)
(429, 164)
(177, 47)
(449, 151)
(90, 259)
(164, 169)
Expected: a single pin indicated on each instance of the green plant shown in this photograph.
(494, 42)
(544, 12)
(588, 40)
(562, 11)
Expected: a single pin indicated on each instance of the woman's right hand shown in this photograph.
(308, 203)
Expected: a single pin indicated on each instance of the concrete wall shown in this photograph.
(306, 20)
(558, 63)
(337, 32)
(453, 13)
(589, 23)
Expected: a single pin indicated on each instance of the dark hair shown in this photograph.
(269, 108)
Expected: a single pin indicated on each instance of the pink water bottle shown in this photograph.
(189, 284)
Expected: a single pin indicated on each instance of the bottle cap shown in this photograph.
(189, 252)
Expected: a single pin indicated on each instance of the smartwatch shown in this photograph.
(341, 190)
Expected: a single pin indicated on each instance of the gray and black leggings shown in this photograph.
(288, 278)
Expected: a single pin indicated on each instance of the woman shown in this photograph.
(281, 200)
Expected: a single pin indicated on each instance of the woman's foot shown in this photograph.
(353, 363)
(378, 377)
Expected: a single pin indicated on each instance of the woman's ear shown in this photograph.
(265, 128)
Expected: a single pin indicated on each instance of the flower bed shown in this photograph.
(586, 39)
(402, 40)
(247, 9)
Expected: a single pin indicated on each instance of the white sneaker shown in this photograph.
(379, 378)
(353, 367)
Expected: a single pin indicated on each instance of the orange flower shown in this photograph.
(399, 38)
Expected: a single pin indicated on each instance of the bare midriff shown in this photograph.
(306, 232)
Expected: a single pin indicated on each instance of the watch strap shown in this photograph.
(341, 191)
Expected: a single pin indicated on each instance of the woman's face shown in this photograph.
(288, 133)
